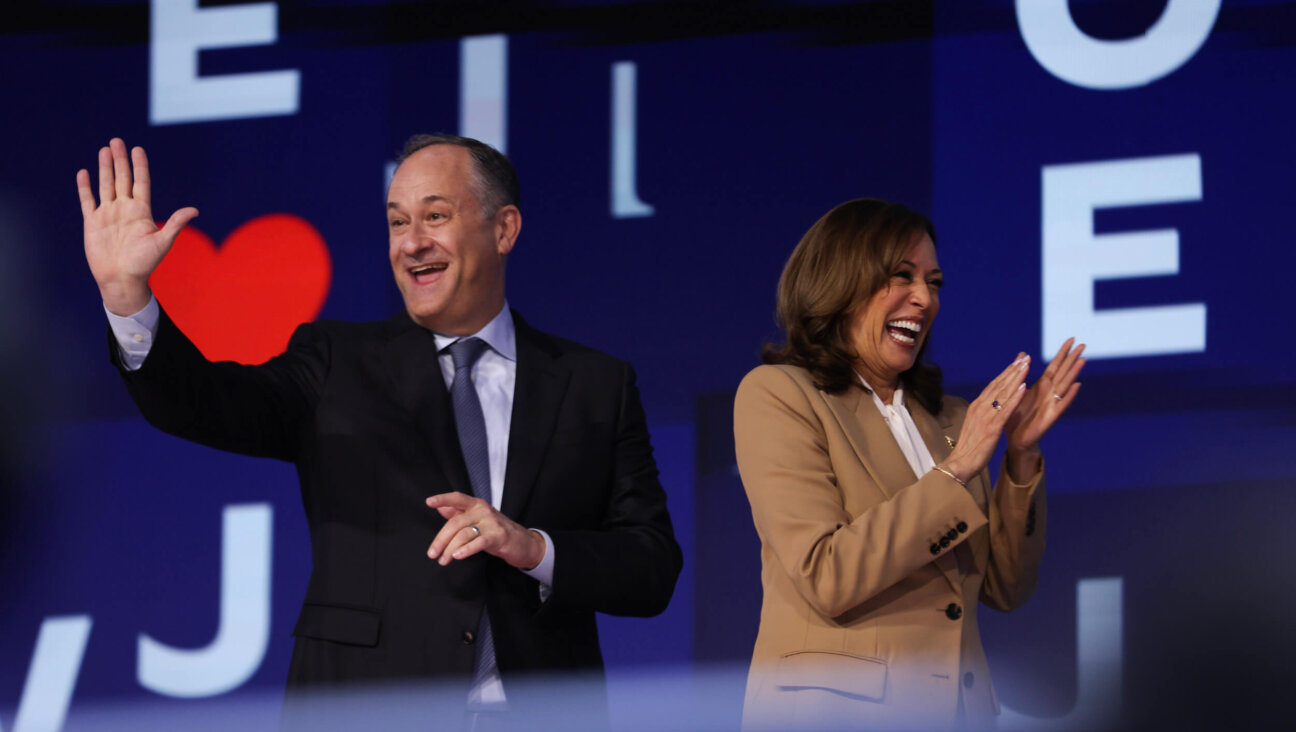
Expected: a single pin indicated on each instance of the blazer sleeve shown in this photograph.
(253, 410)
(1017, 523)
(835, 560)
(628, 564)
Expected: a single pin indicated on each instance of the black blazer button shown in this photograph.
(944, 541)
(951, 534)
(467, 637)
(935, 548)
(962, 527)
(953, 611)
(967, 680)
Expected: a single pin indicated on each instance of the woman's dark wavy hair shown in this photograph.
(843, 259)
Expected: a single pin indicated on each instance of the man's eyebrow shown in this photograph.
(433, 198)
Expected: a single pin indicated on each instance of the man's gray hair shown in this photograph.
(495, 182)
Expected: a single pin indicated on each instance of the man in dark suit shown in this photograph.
(475, 489)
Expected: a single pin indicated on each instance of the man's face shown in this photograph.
(446, 254)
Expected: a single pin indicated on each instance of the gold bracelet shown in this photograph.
(950, 473)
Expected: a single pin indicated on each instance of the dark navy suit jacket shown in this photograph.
(363, 411)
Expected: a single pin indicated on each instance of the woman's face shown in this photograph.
(890, 326)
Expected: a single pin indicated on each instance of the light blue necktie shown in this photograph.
(472, 440)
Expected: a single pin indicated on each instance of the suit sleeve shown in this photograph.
(835, 560)
(253, 410)
(1017, 518)
(629, 564)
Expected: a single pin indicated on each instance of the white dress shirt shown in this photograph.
(494, 375)
(903, 428)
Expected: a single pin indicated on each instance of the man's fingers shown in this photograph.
(454, 523)
(84, 192)
(466, 542)
(445, 535)
(121, 168)
(171, 229)
(477, 544)
(141, 190)
(106, 193)
(461, 501)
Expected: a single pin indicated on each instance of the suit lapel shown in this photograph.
(871, 439)
(410, 358)
(538, 392)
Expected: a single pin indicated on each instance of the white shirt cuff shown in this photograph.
(135, 333)
(543, 572)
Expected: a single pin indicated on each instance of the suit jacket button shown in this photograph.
(944, 541)
(952, 534)
(962, 527)
(467, 637)
(967, 680)
(953, 611)
(935, 548)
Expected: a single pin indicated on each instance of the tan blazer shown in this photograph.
(871, 577)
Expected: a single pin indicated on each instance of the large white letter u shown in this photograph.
(240, 644)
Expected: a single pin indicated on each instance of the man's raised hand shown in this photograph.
(123, 244)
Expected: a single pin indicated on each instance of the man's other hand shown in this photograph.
(473, 525)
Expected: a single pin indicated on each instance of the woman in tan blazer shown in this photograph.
(879, 528)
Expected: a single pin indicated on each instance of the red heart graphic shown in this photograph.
(243, 301)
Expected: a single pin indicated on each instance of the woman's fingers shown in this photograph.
(1067, 372)
(1014, 400)
(1063, 350)
(1001, 385)
(1068, 397)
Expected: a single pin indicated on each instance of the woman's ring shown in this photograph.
(476, 531)
(1057, 396)
(997, 406)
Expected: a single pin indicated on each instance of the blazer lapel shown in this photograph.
(410, 358)
(537, 395)
(871, 439)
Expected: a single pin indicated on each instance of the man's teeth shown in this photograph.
(427, 268)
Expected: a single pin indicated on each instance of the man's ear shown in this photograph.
(508, 224)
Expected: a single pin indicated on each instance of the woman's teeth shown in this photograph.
(904, 331)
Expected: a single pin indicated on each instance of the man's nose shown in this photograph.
(416, 239)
